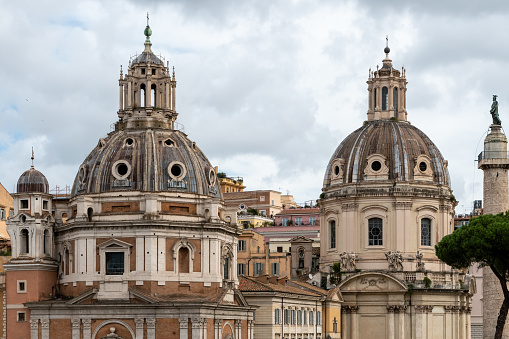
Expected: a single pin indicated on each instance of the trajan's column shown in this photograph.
(494, 163)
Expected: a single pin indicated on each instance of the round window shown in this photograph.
(376, 231)
(169, 142)
(336, 170)
(129, 142)
(376, 165)
(242, 206)
(176, 170)
(122, 169)
(423, 166)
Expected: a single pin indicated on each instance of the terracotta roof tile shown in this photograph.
(251, 284)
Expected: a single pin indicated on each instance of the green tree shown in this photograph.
(485, 240)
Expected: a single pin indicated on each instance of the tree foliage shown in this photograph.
(485, 240)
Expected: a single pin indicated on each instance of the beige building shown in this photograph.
(254, 257)
(292, 309)
(141, 249)
(386, 202)
(6, 210)
(266, 202)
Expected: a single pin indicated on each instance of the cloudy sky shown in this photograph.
(267, 89)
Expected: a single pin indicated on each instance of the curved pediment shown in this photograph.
(372, 282)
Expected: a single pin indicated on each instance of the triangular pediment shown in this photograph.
(114, 243)
(375, 282)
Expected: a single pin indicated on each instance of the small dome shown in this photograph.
(147, 57)
(32, 181)
(148, 161)
(399, 150)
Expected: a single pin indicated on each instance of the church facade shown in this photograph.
(386, 201)
(141, 248)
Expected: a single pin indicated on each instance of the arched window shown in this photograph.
(301, 257)
(395, 101)
(425, 232)
(385, 99)
(25, 241)
(46, 243)
(226, 268)
(142, 95)
(153, 95)
(90, 213)
(374, 98)
(183, 260)
(66, 262)
(332, 233)
(375, 232)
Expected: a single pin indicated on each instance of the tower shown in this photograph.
(31, 274)
(494, 163)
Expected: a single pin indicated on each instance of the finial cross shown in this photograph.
(147, 18)
(386, 41)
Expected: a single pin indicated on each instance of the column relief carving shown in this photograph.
(402, 205)
(424, 308)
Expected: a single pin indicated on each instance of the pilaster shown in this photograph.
(151, 328)
(34, 329)
(87, 328)
(139, 327)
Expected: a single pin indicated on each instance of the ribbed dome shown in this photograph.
(147, 57)
(146, 160)
(32, 181)
(402, 150)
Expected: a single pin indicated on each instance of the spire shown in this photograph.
(32, 158)
(148, 33)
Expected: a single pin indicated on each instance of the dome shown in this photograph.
(159, 160)
(32, 181)
(147, 57)
(386, 150)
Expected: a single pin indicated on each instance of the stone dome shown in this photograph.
(32, 181)
(386, 150)
(147, 160)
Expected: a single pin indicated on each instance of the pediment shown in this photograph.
(375, 282)
(301, 238)
(112, 243)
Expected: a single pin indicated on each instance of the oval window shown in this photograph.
(129, 142)
(212, 177)
(336, 170)
(169, 142)
(376, 165)
(121, 169)
(423, 166)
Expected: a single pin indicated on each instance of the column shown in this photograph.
(345, 330)
(449, 331)
(120, 97)
(204, 321)
(139, 327)
(34, 329)
(196, 328)
(45, 329)
(75, 328)
(167, 95)
(151, 328)
(205, 257)
(173, 100)
(355, 322)
(468, 328)
(429, 321)
(148, 94)
(250, 329)
(419, 319)
(390, 311)
(87, 328)
(126, 94)
(402, 322)
(238, 329)
(129, 95)
(218, 329)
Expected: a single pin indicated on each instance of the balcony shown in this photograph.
(493, 155)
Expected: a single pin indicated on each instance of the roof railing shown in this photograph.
(493, 155)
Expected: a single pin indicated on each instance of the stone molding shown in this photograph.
(402, 205)
(34, 324)
(424, 308)
(139, 322)
(151, 323)
(75, 323)
(349, 309)
(350, 207)
(396, 308)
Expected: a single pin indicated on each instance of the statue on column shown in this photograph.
(420, 264)
(494, 111)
